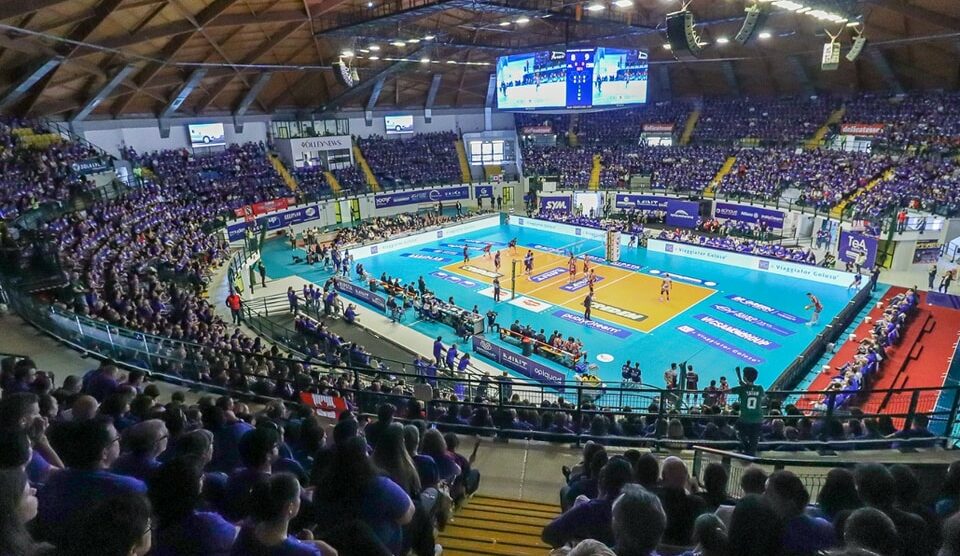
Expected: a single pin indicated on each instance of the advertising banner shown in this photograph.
(418, 196)
(641, 202)
(483, 191)
(855, 244)
(555, 203)
(682, 214)
(523, 365)
(275, 221)
(927, 251)
(658, 128)
(262, 207)
(536, 129)
(359, 292)
(749, 214)
(90, 166)
(861, 129)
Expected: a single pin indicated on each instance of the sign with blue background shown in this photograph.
(641, 202)
(682, 214)
(853, 244)
(555, 203)
(401, 198)
(483, 191)
(750, 215)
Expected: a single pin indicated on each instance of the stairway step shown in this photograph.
(492, 537)
(501, 509)
(539, 506)
(502, 517)
(501, 526)
(466, 546)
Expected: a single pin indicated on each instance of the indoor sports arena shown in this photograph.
(479, 277)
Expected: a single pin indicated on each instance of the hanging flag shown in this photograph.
(324, 406)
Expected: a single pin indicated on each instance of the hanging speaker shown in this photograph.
(831, 56)
(681, 35)
(858, 44)
(755, 18)
(344, 74)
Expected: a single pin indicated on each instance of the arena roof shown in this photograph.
(112, 58)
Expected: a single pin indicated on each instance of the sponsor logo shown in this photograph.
(454, 279)
(530, 304)
(450, 252)
(374, 250)
(756, 321)
(480, 271)
(623, 313)
(422, 257)
(739, 333)
(578, 284)
(548, 274)
(720, 345)
(766, 308)
(669, 248)
(555, 205)
(763, 265)
(439, 234)
(592, 324)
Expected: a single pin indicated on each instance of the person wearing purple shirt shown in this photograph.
(226, 439)
(94, 447)
(102, 382)
(258, 450)
(591, 519)
(143, 443)
(802, 534)
(267, 532)
(182, 530)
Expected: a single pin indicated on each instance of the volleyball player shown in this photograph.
(496, 261)
(486, 250)
(816, 306)
(528, 263)
(586, 263)
(466, 254)
(572, 269)
(513, 246)
(665, 287)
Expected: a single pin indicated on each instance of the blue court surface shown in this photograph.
(743, 317)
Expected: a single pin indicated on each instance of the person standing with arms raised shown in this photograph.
(751, 409)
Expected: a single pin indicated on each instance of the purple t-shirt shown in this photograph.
(248, 545)
(589, 520)
(226, 446)
(67, 493)
(200, 534)
(38, 469)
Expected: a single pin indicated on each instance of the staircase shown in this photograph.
(595, 173)
(465, 174)
(489, 525)
(284, 173)
(572, 138)
(372, 182)
(723, 171)
(835, 118)
(688, 127)
(333, 183)
(837, 211)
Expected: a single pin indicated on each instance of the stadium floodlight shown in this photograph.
(424, 60)
(764, 35)
(723, 40)
(347, 54)
(623, 3)
(523, 20)
(504, 23)
(666, 46)
(429, 38)
(413, 41)
(374, 58)
(373, 48)
(399, 44)
(595, 7)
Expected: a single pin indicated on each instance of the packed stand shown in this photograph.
(771, 120)
(624, 126)
(35, 174)
(312, 180)
(927, 121)
(573, 165)
(101, 465)
(918, 183)
(424, 158)
(681, 169)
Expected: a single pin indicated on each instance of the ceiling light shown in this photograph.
(398, 43)
(374, 47)
(595, 7)
(346, 54)
(374, 57)
(623, 3)
(451, 61)
(369, 4)
(723, 40)
(429, 38)
(667, 46)
(523, 20)
(853, 24)
(413, 41)
(765, 35)
(504, 23)
(424, 60)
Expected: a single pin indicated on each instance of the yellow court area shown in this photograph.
(622, 296)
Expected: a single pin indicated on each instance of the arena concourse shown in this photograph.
(498, 277)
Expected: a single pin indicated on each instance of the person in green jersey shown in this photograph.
(751, 409)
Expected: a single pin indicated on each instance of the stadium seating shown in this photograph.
(424, 158)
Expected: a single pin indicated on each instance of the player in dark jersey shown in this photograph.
(513, 246)
(486, 250)
(692, 384)
(528, 263)
(750, 396)
(466, 254)
(496, 261)
(816, 306)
